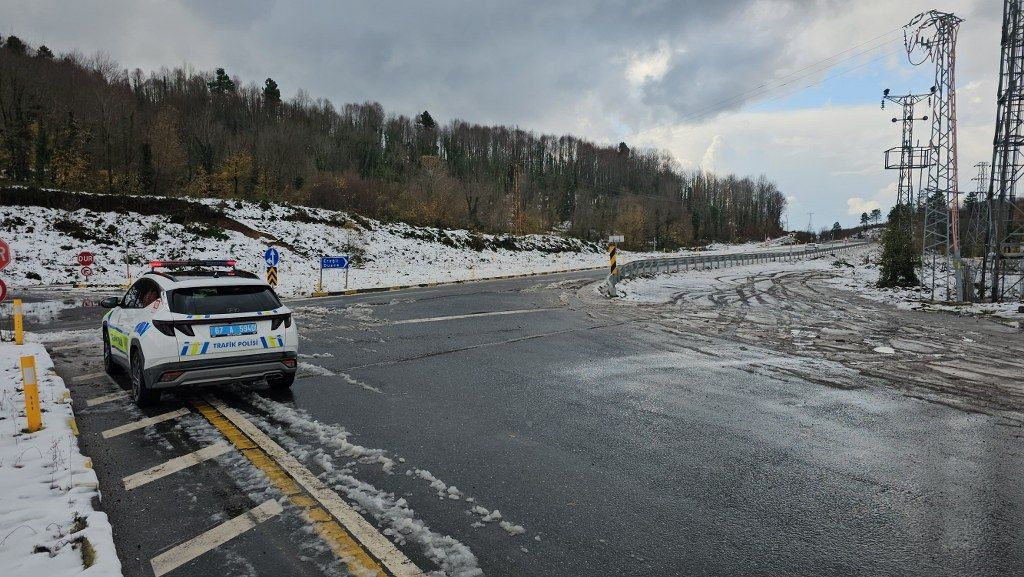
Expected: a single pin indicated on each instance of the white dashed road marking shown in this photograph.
(143, 423)
(189, 550)
(174, 465)
(87, 376)
(105, 398)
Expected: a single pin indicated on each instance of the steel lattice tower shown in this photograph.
(974, 240)
(1005, 234)
(906, 157)
(933, 34)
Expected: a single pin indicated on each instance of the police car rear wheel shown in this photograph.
(141, 393)
(109, 365)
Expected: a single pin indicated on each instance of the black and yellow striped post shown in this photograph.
(613, 268)
(272, 276)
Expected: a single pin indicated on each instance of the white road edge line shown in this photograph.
(174, 465)
(105, 398)
(380, 547)
(469, 316)
(226, 531)
(143, 423)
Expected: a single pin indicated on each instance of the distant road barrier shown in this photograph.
(651, 266)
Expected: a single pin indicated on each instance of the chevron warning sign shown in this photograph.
(272, 276)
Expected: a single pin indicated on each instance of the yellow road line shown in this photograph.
(341, 542)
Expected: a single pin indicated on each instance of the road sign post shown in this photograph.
(6, 256)
(613, 268)
(19, 323)
(86, 260)
(331, 262)
(272, 258)
(30, 380)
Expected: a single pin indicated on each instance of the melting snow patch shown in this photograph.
(884, 350)
(512, 529)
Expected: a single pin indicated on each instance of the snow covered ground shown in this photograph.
(856, 271)
(47, 522)
(46, 241)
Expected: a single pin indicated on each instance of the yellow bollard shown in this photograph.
(28, 377)
(19, 323)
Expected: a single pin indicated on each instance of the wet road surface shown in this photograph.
(694, 438)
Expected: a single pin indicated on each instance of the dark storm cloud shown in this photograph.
(516, 62)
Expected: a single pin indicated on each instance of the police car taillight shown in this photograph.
(290, 363)
(286, 319)
(165, 327)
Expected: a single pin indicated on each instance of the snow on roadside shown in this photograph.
(46, 241)
(394, 514)
(48, 525)
(855, 271)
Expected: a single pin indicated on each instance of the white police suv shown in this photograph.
(198, 322)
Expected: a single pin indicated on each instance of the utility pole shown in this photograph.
(1004, 235)
(906, 157)
(933, 35)
(810, 224)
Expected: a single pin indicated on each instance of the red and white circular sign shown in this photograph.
(86, 272)
(3, 291)
(6, 256)
(85, 258)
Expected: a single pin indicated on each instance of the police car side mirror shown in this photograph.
(110, 302)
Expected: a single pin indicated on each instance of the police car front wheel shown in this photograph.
(109, 364)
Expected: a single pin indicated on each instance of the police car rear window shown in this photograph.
(220, 300)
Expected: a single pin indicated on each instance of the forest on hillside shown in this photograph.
(85, 123)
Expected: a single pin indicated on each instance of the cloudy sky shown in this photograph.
(790, 89)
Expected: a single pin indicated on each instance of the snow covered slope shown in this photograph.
(47, 240)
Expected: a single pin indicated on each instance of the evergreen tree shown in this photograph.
(900, 258)
(426, 120)
(864, 218)
(271, 93)
(44, 52)
(15, 45)
(876, 215)
(836, 227)
(222, 83)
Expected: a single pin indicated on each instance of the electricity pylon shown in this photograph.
(933, 34)
(906, 157)
(1004, 240)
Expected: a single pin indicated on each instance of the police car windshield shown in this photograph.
(220, 300)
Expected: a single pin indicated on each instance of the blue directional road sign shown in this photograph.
(334, 262)
(271, 256)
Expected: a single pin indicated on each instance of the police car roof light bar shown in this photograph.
(153, 264)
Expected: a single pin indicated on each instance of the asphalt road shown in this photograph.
(621, 439)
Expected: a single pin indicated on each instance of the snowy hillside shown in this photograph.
(47, 240)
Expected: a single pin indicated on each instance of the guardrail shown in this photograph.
(708, 261)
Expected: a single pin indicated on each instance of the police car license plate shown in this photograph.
(232, 330)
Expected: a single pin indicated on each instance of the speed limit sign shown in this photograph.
(86, 271)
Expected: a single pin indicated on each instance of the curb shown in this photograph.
(320, 294)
